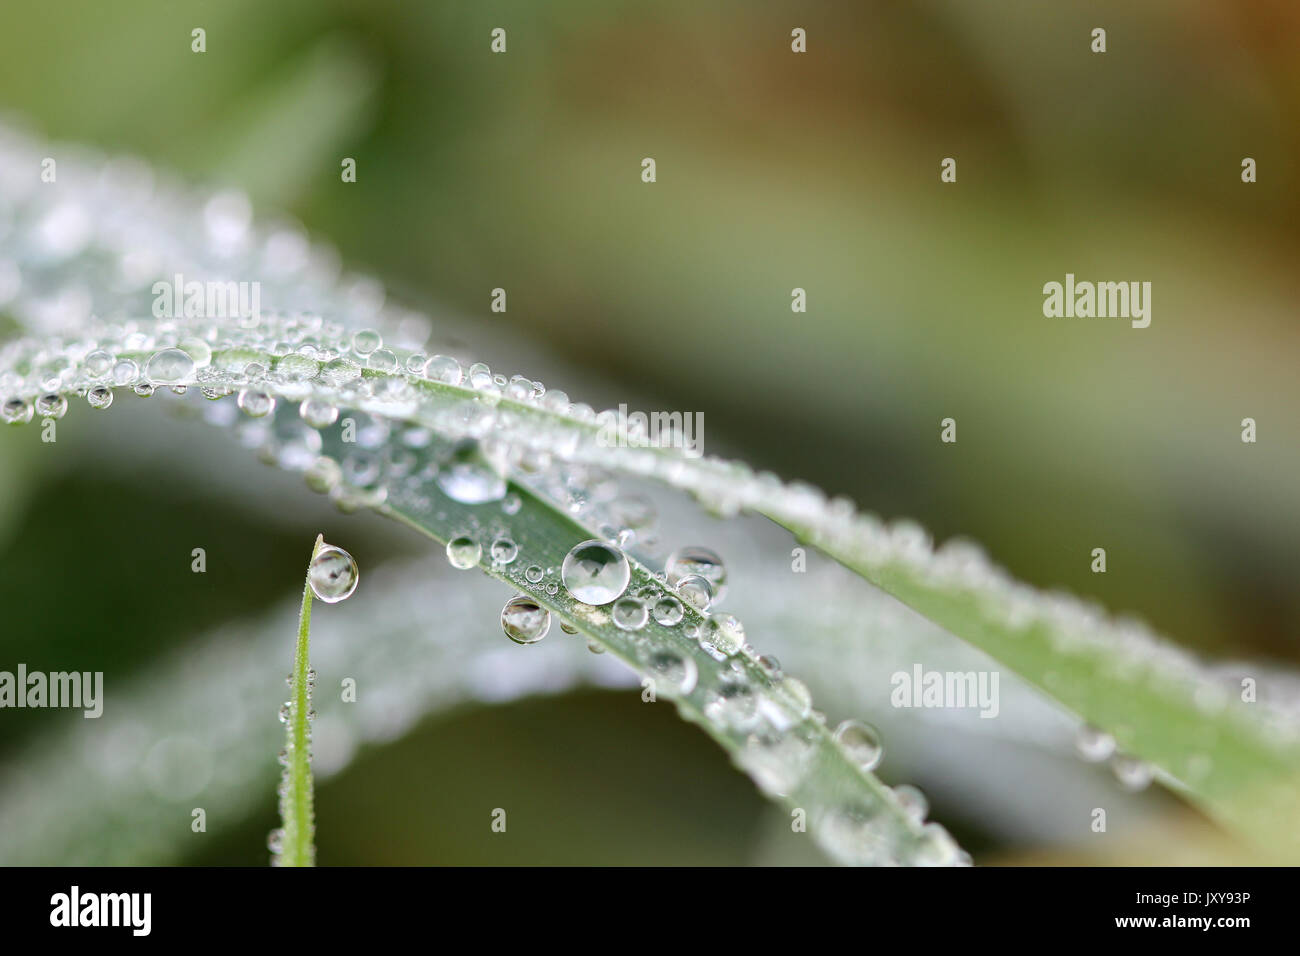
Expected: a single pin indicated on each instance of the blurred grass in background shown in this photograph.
(775, 170)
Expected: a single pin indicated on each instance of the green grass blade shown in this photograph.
(297, 815)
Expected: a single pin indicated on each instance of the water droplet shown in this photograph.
(674, 674)
(695, 560)
(912, 800)
(533, 574)
(340, 372)
(366, 341)
(286, 709)
(295, 368)
(568, 628)
(511, 504)
(798, 693)
(318, 413)
(445, 369)
(470, 476)
(333, 574)
(275, 841)
(696, 591)
(255, 404)
(668, 610)
(733, 704)
(1094, 745)
(504, 551)
(629, 614)
(100, 397)
(125, 372)
(98, 363)
(383, 360)
(595, 648)
(861, 742)
(169, 367)
(16, 411)
(463, 552)
(724, 634)
(595, 572)
(53, 405)
(195, 348)
(1132, 772)
(524, 620)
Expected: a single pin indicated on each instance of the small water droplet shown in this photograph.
(568, 628)
(695, 560)
(504, 551)
(318, 413)
(524, 620)
(1094, 745)
(100, 396)
(1133, 773)
(469, 476)
(254, 403)
(595, 572)
(445, 369)
(366, 341)
(912, 800)
(333, 574)
(463, 552)
(674, 674)
(861, 742)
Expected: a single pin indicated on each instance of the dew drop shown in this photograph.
(524, 620)
(100, 396)
(1094, 745)
(318, 413)
(533, 574)
(695, 560)
(98, 363)
(254, 403)
(445, 369)
(674, 674)
(861, 742)
(169, 367)
(912, 800)
(464, 552)
(504, 551)
(52, 405)
(1132, 772)
(668, 610)
(366, 341)
(724, 634)
(333, 574)
(469, 476)
(16, 411)
(595, 572)
(696, 591)
(568, 628)
(629, 614)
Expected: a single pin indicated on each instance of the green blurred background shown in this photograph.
(775, 171)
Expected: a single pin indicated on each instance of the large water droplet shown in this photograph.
(595, 572)
(333, 574)
(524, 620)
(169, 367)
(444, 368)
